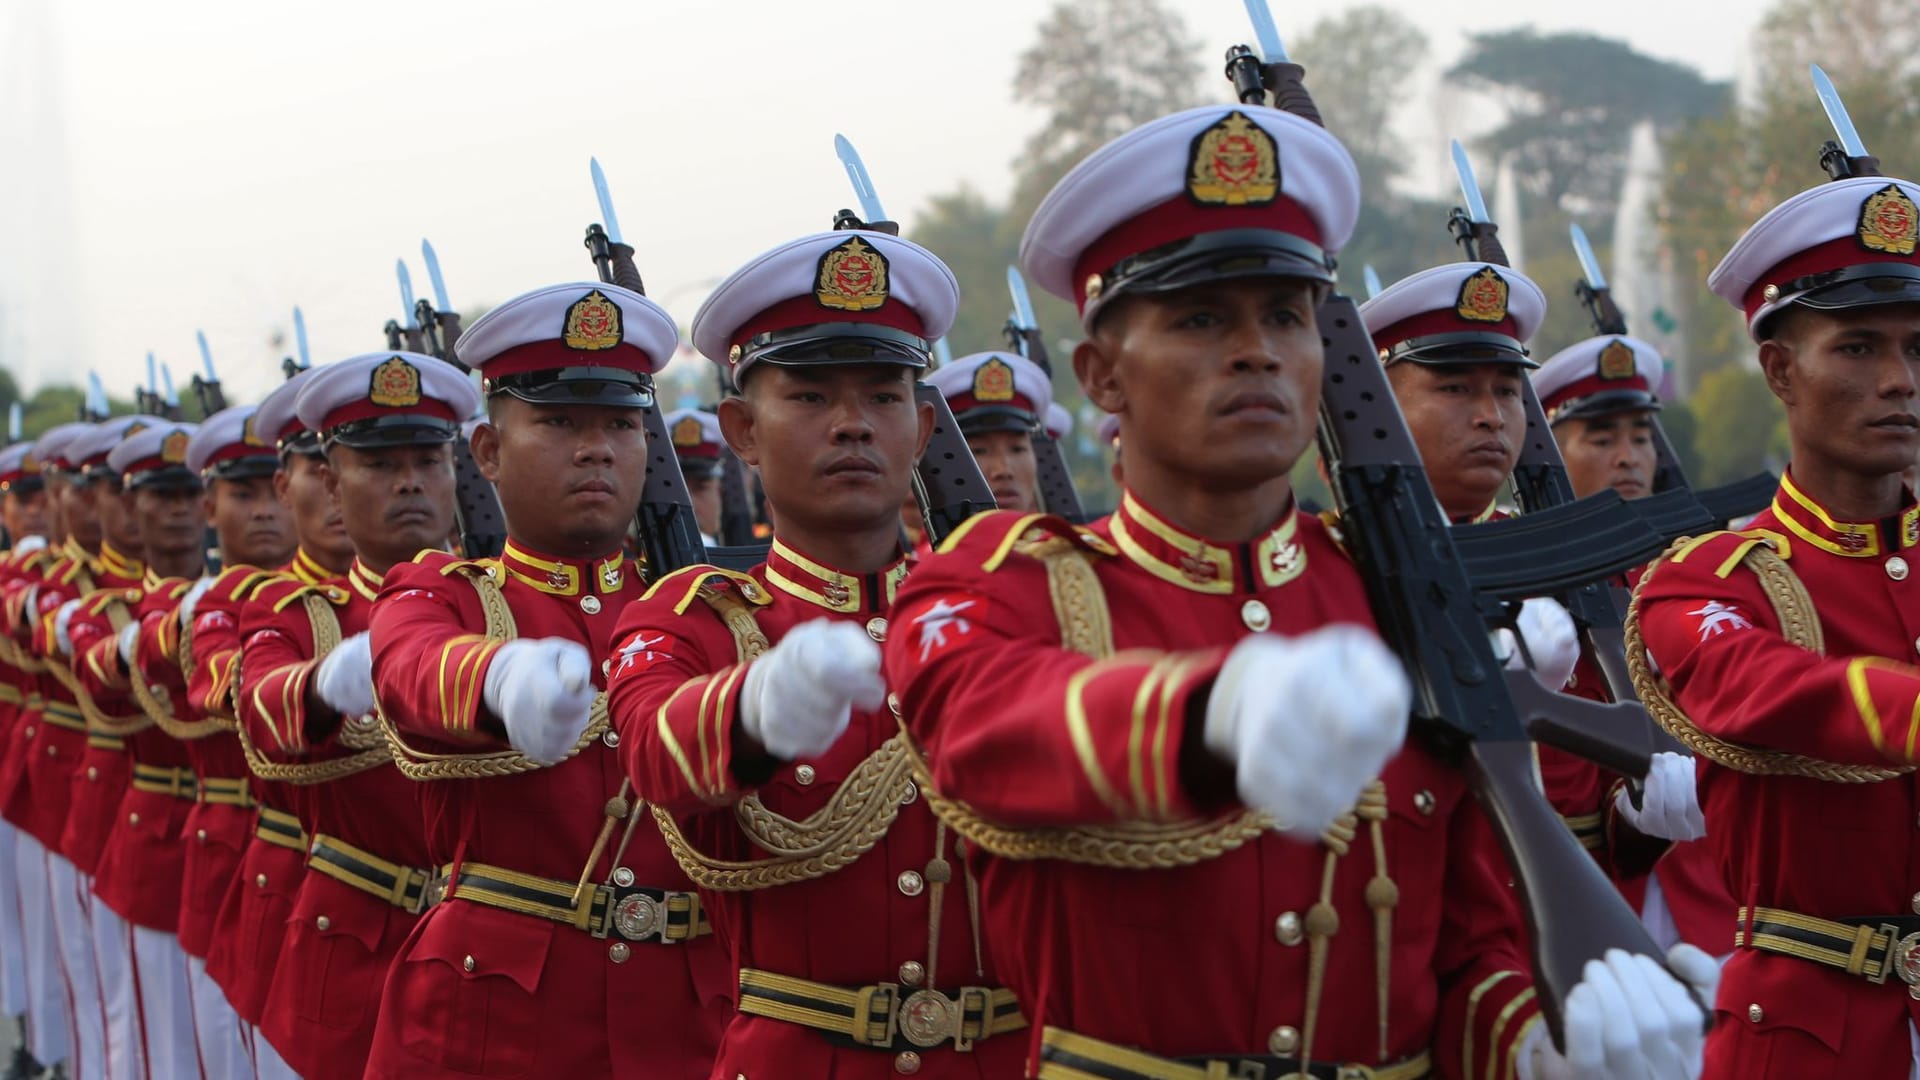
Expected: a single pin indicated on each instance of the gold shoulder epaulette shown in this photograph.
(686, 583)
(1728, 549)
(467, 568)
(332, 594)
(240, 582)
(1028, 534)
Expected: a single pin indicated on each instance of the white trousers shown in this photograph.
(166, 1004)
(223, 1053)
(73, 906)
(267, 1063)
(47, 1013)
(13, 939)
(113, 961)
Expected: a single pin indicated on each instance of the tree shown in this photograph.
(1738, 424)
(1572, 99)
(1355, 63)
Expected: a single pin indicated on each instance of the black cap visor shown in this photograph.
(242, 468)
(836, 343)
(612, 387)
(383, 431)
(1464, 347)
(983, 419)
(164, 478)
(1605, 403)
(1214, 256)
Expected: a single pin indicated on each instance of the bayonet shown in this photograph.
(1371, 279)
(1264, 33)
(1849, 156)
(406, 293)
(13, 422)
(863, 190)
(1469, 186)
(607, 217)
(427, 255)
(206, 356)
(1022, 303)
(942, 353)
(300, 337)
(171, 399)
(1589, 266)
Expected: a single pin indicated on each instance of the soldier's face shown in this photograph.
(705, 493)
(1006, 459)
(1218, 384)
(396, 501)
(569, 476)
(302, 489)
(25, 513)
(254, 529)
(78, 519)
(1848, 380)
(119, 525)
(172, 522)
(1612, 451)
(1467, 420)
(835, 443)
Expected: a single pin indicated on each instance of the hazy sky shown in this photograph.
(211, 163)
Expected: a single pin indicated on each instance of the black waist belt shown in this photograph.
(405, 887)
(62, 715)
(280, 829)
(1067, 1056)
(1871, 947)
(883, 1014)
(156, 780)
(225, 791)
(632, 912)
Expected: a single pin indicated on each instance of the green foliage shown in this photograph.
(1355, 62)
(1738, 424)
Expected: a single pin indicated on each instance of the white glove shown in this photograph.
(1669, 802)
(127, 636)
(1628, 1019)
(192, 600)
(61, 617)
(344, 679)
(542, 690)
(798, 697)
(27, 545)
(1551, 638)
(1308, 722)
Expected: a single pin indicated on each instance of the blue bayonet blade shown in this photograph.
(862, 182)
(206, 356)
(300, 337)
(1371, 280)
(1837, 113)
(406, 293)
(941, 353)
(1271, 51)
(607, 217)
(13, 422)
(96, 393)
(153, 377)
(433, 277)
(1022, 303)
(1589, 266)
(166, 383)
(1469, 187)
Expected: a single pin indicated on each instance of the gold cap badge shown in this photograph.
(853, 277)
(688, 432)
(395, 385)
(173, 448)
(993, 381)
(1233, 163)
(593, 323)
(248, 437)
(1889, 222)
(1483, 297)
(1616, 361)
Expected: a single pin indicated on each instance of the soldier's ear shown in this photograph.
(1093, 366)
(486, 451)
(736, 426)
(1776, 363)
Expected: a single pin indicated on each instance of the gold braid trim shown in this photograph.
(98, 722)
(1080, 605)
(326, 637)
(418, 764)
(159, 707)
(1799, 624)
(860, 812)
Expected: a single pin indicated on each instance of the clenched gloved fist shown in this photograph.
(1551, 639)
(542, 690)
(1308, 721)
(344, 679)
(1628, 1019)
(798, 697)
(1669, 801)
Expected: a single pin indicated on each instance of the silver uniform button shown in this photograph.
(1897, 568)
(200, 835)
(133, 819)
(803, 773)
(1423, 801)
(323, 924)
(622, 876)
(1256, 616)
(606, 666)
(1283, 1041)
(467, 964)
(911, 883)
(610, 737)
(619, 951)
(590, 604)
(906, 1063)
(1288, 929)
(877, 628)
(912, 972)
(260, 881)
(1755, 1013)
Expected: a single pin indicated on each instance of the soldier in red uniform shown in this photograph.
(1788, 690)
(750, 706)
(95, 941)
(245, 944)
(696, 442)
(308, 700)
(536, 961)
(1599, 397)
(24, 514)
(999, 399)
(1143, 728)
(254, 531)
(142, 857)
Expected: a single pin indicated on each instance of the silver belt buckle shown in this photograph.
(638, 917)
(928, 1018)
(1905, 956)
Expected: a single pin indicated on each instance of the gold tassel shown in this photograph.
(1382, 896)
(617, 811)
(1322, 923)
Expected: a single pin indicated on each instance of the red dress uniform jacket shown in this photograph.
(26, 673)
(1209, 957)
(340, 940)
(93, 769)
(479, 990)
(1816, 848)
(221, 819)
(252, 922)
(674, 696)
(143, 859)
(17, 683)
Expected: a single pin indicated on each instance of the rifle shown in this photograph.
(146, 399)
(669, 533)
(207, 391)
(1416, 567)
(947, 481)
(1057, 493)
(477, 513)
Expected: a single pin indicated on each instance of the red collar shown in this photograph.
(1811, 523)
(364, 581)
(1172, 554)
(308, 569)
(564, 577)
(113, 564)
(796, 575)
